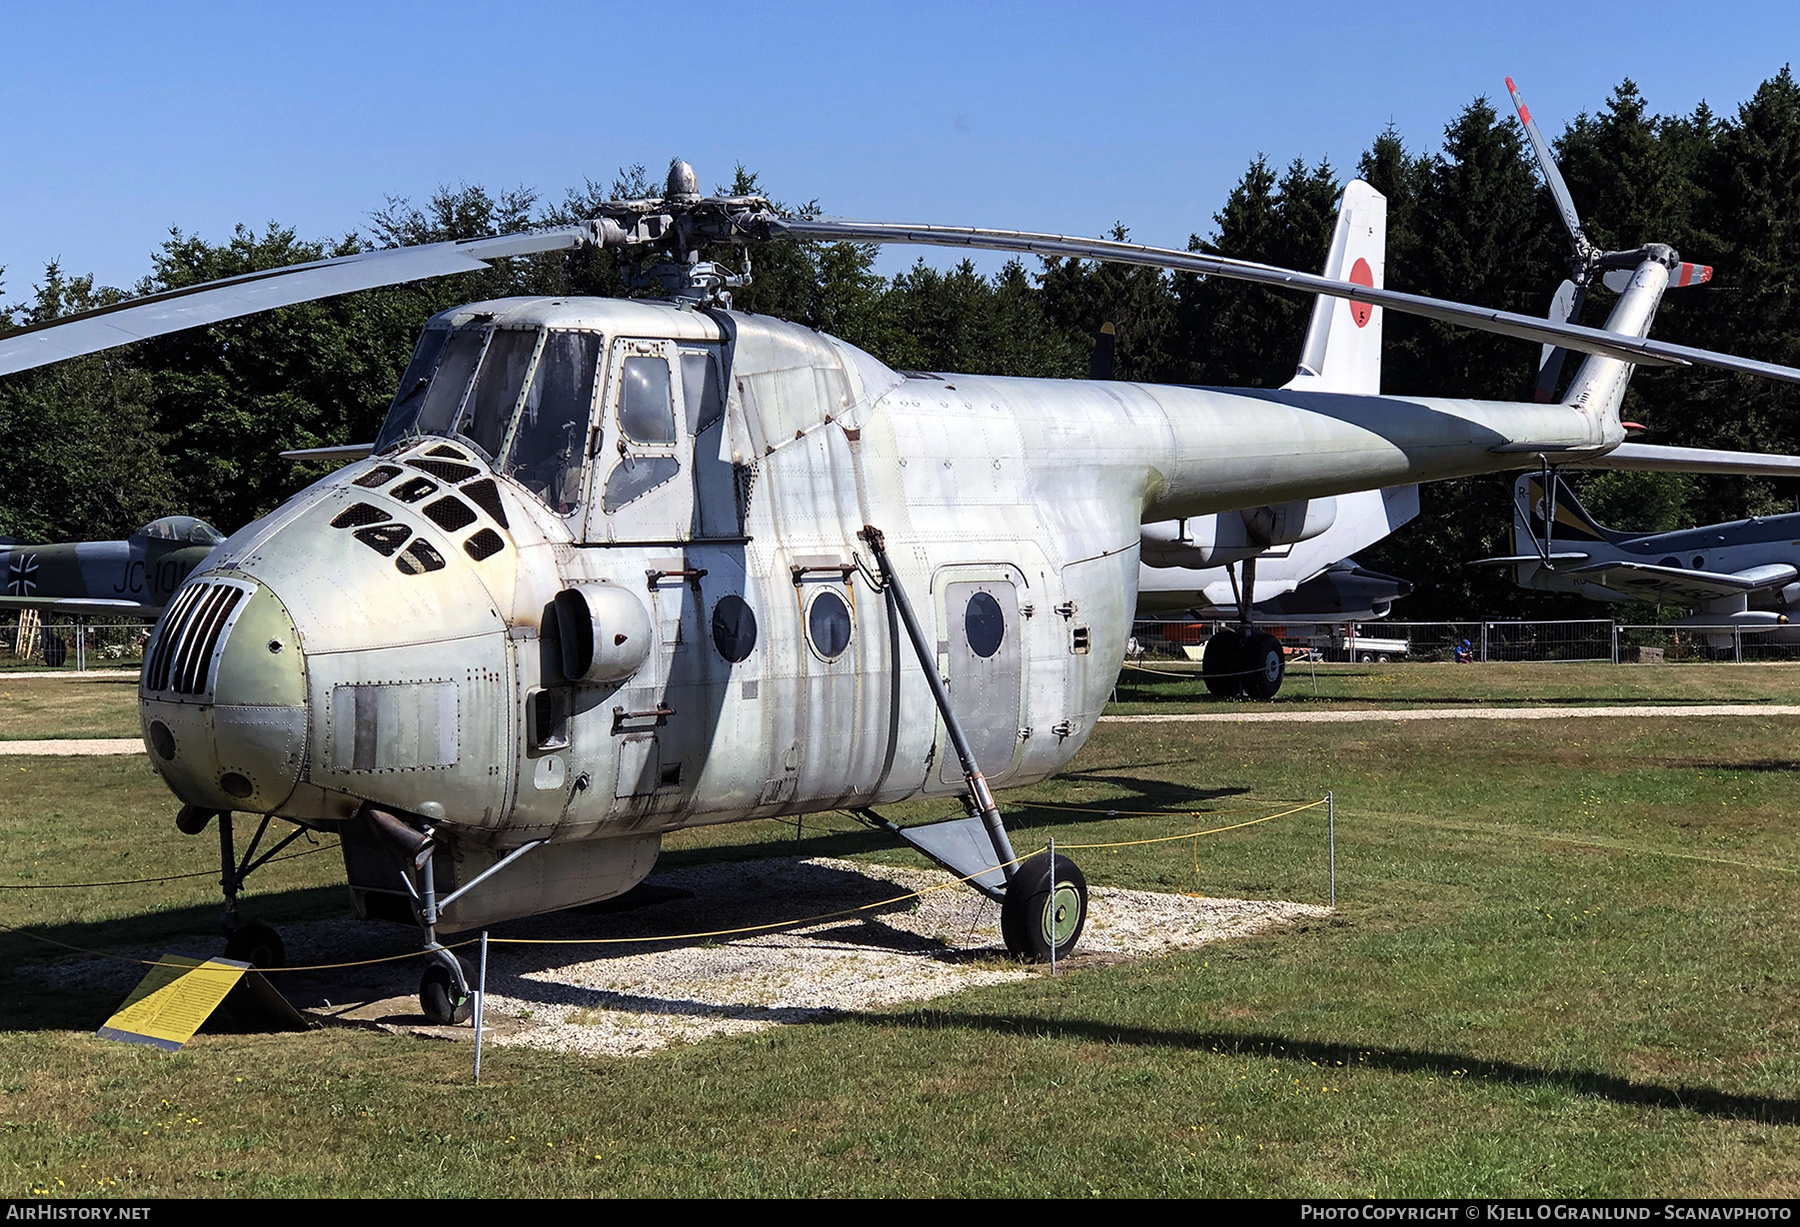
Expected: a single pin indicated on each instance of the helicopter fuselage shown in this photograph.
(603, 578)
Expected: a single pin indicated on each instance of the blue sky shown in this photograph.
(120, 121)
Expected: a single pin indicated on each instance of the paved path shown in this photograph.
(1458, 713)
(77, 675)
(132, 745)
(88, 746)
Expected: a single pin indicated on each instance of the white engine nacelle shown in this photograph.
(1232, 536)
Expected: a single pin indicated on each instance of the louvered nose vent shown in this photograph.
(192, 634)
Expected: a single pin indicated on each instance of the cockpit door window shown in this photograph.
(646, 401)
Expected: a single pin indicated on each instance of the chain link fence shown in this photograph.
(1585, 639)
(73, 644)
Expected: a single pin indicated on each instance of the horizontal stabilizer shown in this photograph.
(1512, 560)
(1650, 457)
(1643, 579)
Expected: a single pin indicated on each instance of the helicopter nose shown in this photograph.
(223, 696)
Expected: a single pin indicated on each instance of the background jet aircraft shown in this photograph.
(1743, 573)
(133, 577)
(1315, 577)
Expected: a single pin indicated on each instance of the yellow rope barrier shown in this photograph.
(125, 958)
(174, 877)
(1163, 839)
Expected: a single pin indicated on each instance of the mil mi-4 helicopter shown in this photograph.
(615, 568)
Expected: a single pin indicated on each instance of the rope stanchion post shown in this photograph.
(480, 1004)
(1053, 896)
(1331, 844)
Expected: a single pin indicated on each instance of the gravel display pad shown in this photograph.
(625, 999)
(641, 991)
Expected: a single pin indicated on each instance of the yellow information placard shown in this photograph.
(179, 994)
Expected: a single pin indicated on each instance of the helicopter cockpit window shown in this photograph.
(404, 412)
(700, 388)
(548, 448)
(489, 410)
(646, 402)
(445, 396)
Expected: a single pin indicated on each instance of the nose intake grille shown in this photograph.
(182, 658)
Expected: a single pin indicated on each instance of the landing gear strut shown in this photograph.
(1241, 659)
(1042, 906)
(256, 944)
(444, 994)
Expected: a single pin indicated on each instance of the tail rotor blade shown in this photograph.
(1559, 191)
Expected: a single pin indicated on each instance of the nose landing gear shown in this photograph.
(256, 944)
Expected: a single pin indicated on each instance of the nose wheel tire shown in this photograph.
(1221, 664)
(258, 945)
(1263, 664)
(1044, 909)
(444, 996)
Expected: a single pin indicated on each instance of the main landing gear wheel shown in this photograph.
(1263, 665)
(258, 945)
(444, 995)
(1044, 909)
(1221, 664)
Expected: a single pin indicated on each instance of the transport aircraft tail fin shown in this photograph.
(1343, 346)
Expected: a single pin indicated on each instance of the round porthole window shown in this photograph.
(828, 625)
(734, 628)
(984, 624)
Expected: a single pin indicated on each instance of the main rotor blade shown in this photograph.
(1559, 191)
(208, 303)
(1639, 350)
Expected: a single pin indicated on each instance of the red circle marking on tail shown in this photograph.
(1362, 274)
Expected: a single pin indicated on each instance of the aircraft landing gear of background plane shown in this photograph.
(256, 943)
(1234, 663)
(1241, 659)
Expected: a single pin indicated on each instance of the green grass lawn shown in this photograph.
(1163, 685)
(1562, 964)
(71, 706)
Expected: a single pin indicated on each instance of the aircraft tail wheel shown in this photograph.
(444, 996)
(1044, 909)
(1263, 665)
(258, 945)
(1221, 663)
